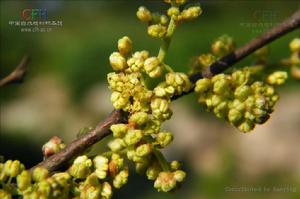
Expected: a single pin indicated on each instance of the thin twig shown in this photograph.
(17, 76)
(78, 146)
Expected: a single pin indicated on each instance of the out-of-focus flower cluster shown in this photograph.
(294, 60)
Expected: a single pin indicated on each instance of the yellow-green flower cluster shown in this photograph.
(294, 60)
(223, 45)
(158, 23)
(38, 184)
(238, 98)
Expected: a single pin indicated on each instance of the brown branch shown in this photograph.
(17, 76)
(78, 146)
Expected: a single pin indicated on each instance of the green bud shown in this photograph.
(164, 138)
(157, 30)
(144, 149)
(235, 116)
(206, 60)
(119, 130)
(24, 180)
(16, 168)
(39, 174)
(242, 92)
(164, 20)
(202, 85)
(223, 45)
(117, 61)
(175, 165)
(81, 167)
(139, 118)
(179, 175)
(191, 13)
(240, 77)
(101, 165)
(120, 179)
(153, 170)
(173, 11)
(277, 78)
(246, 126)
(143, 14)
(116, 144)
(125, 45)
(106, 190)
(180, 82)
(133, 136)
(295, 45)
(221, 86)
(152, 67)
(118, 100)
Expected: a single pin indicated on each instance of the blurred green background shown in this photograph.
(65, 89)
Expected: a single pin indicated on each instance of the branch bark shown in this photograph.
(17, 76)
(78, 146)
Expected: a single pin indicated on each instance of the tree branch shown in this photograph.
(17, 76)
(78, 146)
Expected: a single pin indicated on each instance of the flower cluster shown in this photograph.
(238, 98)
(86, 178)
(141, 138)
(294, 60)
(158, 23)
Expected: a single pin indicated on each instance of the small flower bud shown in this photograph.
(277, 78)
(153, 170)
(118, 100)
(120, 179)
(164, 20)
(223, 45)
(101, 165)
(191, 13)
(234, 116)
(295, 45)
(173, 11)
(117, 61)
(125, 45)
(81, 167)
(242, 92)
(164, 138)
(143, 150)
(202, 85)
(16, 168)
(24, 180)
(143, 14)
(206, 60)
(165, 181)
(39, 174)
(152, 67)
(133, 136)
(139, 118)
(246, 126)
(221, 86)
(175, 165)
(157, 30)
(179, 175)
(116, 145)
(179, 81)
(54, 145)
(119, 130)
(106, 191)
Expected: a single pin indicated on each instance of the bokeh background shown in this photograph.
(65, 90)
